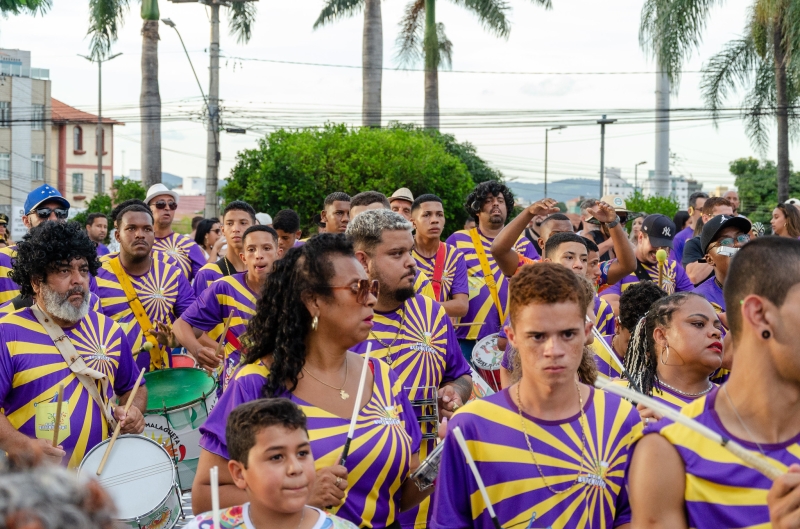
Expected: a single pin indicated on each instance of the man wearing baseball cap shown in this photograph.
(722, 235)
(43, 203)
(401, 202)
(163, 202)
(657, 233)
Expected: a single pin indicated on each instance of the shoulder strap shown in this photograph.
(641, 273)
(487, 272)
(86, 375)
(438, 271)
(19, 302)
(157, 353)
(225, 267)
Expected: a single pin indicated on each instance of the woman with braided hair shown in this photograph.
(318, 304)
(674, 350)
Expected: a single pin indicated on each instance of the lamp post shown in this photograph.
(171, 24)
(545, 154)
(603, 122)
(99, 132)
(636, 175)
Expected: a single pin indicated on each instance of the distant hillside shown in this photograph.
(561, 190)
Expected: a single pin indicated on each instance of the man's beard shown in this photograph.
(58, 305)
(400, 294)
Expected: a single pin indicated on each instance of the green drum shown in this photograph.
(178, 403)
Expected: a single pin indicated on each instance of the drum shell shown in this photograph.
(487, 358)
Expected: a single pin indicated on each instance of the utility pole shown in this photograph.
(661, 173)
(99, 132)
(603, 122)
(545, 155)
(636, 175)
(212, 151)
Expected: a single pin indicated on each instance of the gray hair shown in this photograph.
(51, 497)
(365, 230)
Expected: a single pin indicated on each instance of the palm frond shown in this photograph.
(241, 16)
(28, 7)
(411, 35)
(105, 19)
(336, 10)
(791, 29)
(732, 66)
(671, 29)
(444, 52)
(760, 104)
(492, 13)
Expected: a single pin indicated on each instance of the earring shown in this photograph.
(665, 358)
(315, 323)
(765, 335)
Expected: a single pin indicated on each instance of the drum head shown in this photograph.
(175, 388)
(486, 355)
(138, 475)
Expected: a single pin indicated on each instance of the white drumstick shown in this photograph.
(471, 462)
(215, 496)
(356, 406)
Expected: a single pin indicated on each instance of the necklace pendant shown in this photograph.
(345, 395)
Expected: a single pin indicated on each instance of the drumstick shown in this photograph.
(599, 338)
(661, 256)
(58, 414)
(357, 406)
(215, 496)
(762, 465)
(471, 462)
(119, 424)
(221, 344)
(468, 324)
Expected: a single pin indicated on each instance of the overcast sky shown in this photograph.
(575, 37)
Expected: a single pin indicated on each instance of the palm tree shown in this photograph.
(371, 51)
(24, 7)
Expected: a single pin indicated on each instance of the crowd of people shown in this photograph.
(375, 374)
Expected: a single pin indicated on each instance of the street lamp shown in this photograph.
(99, 132)
(636, 175)
(545, 154)
(603, 122)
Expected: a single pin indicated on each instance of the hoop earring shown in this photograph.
(315, 323)
(766, 335)
(664, 358)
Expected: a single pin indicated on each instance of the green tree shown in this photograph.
(652, 204)
(20, 7)
(756, 183)
(125, 189)
(298, 169)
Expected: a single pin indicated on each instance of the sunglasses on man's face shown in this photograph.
(362, 289)
(161, 204)
(44, 213)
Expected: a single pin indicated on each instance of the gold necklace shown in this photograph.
(581, 421)
(342, 393)
(389, 358)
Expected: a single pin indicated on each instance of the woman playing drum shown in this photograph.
(318, 304)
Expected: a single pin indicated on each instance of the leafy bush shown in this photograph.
(665, 205)
(122, 190)
(757, 184)
(298, 169)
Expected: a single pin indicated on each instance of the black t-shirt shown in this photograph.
(534, 239)
(693, 253)
(598, 237)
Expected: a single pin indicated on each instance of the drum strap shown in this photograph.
(85, 374)
(487, 273)
(438, 271)
(158, 355)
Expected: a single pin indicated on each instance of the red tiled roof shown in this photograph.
(63, 113)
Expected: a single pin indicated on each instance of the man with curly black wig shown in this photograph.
(489, 204)
(39, 346)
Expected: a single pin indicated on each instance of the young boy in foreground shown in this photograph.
(270, 458)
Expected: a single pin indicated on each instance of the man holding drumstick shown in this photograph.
(53, 265)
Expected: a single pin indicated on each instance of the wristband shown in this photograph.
(613, 223)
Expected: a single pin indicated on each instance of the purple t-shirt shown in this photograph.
(164, 292)
(31, 369)
(675, 279)
(454, 274)
(606, 365)
(189, 255)
(593, 476)
(210, 311)
(710, 290)
(386, 435)
(8, 289)
(481, 303)
(102, 249)
(679, 242)
(205, 276)
(604, 316)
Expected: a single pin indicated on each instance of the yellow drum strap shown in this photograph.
(487, 273)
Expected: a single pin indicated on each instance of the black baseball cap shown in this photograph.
(660, 230)
(717, 224)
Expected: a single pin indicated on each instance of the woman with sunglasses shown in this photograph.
(786, 221)
(320, 304)
(209, 238)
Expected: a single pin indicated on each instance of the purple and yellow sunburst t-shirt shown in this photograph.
(189, 255)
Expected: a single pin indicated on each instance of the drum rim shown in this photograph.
(189, 404)
(171, 491)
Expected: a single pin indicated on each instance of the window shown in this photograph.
(99, 183)
(5, 166)
(77, 182)
(5, 114)
(37, 118)
(77, 138)
(37, 166)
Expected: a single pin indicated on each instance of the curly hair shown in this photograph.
(547, 284)
(636, 301)
(483, 191)
(641, 359)
(45, 247)
(281, 323)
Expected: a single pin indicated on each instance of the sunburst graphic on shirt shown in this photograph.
(175, 246)
(96, 342)
(158, 291)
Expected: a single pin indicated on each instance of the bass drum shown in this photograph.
(486, 358)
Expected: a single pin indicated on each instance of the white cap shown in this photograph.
(157, 190)
(793, 201)
(264, 219)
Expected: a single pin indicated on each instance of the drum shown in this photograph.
(486, 358)
(178, 403)
(427, 471)
(480, 388)
(183, 361)
(140, 477)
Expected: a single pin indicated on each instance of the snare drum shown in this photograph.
(183, 360)
(486, 358)
(480, 388)
(178, 403)
(140, 477)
